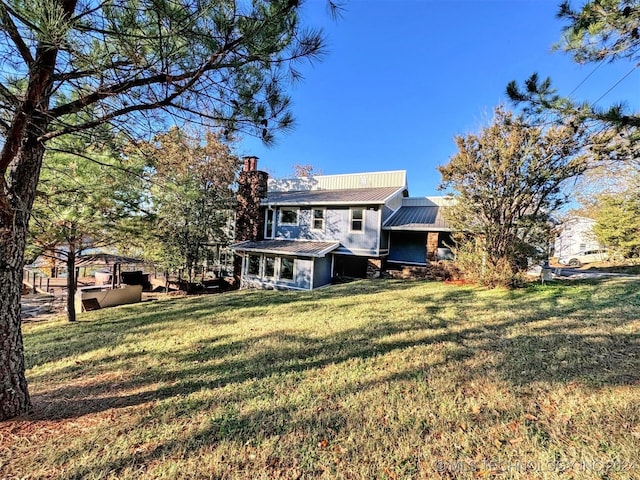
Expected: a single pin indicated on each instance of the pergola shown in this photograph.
(115, 262)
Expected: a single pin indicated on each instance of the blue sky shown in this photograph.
(401, 78)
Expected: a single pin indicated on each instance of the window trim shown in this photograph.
(248, 273)
(264, 259)
(288, 224)
(351, 219)
(323, 219)
(266, 223)
(293, 269)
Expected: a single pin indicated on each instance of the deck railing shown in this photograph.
(35, 281)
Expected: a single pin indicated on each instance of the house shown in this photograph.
(301, 233)
(575, 234)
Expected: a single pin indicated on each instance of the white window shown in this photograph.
(288, 216)
(268, 224)
(357, 219)
(318, 219)
(253, 265)
(286, 268)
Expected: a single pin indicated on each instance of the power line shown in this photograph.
(587, 77)
(615, 85)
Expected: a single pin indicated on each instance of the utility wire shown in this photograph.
(587, 77)
(615, 84)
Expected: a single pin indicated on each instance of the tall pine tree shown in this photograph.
(70, 66)
(600, 31)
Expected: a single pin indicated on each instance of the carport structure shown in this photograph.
(419, 232)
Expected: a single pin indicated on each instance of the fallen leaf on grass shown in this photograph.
(514, 425)
(498, 442)
(390, 473)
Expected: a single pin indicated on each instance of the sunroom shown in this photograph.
(285, 264)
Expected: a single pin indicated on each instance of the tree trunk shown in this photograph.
(71, 283)
(14, 395)
(21, 156)
(24, 152)
(166, 280)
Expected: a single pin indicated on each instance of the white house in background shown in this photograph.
(575, 235)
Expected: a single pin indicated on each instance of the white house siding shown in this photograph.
(303, 273)
(575, 235)
(396, 178)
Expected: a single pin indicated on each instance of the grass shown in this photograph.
(370, 380)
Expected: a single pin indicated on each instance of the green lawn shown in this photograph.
(373, 379)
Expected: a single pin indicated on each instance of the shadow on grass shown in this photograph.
(556, 333)
(557, 352)
(110, 327)
(207, 367)
(323, 424)
(574, 334)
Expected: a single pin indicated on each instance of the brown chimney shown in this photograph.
(252, 188)
(250, 164)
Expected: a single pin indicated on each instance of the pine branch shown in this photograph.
(14, 34)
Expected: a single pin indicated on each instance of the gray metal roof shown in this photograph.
(300, 248)
(355, 196)
(105, 259)
(422, 218)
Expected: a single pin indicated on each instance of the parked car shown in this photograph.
(587, 256)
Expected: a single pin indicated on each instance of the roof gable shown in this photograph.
(420, 214)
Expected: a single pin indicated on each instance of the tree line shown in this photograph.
(163, 200)
(98, 71)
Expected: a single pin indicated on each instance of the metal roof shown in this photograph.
(302, 248)
(105, 259)
(395, 178)
(355, 196)
(438, 201)
(418, 218)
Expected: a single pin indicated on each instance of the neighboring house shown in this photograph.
(575, 234)
(300, 233)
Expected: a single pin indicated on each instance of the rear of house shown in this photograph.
(314, 229)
